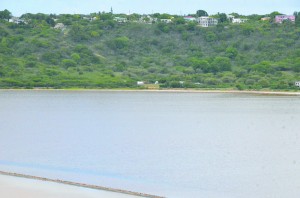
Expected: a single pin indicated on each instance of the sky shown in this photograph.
(180, 7)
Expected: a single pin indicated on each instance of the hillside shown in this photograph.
(103, 53)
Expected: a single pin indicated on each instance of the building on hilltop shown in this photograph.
(239, 20)
(230, 17)
(205, 21)
(166, 20)
(17, 20)
(120, 19)
(265, 19)
(281, 18)
(147, 19)
(236, 20)
(189, 18)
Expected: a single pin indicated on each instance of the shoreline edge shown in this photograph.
(96, 187)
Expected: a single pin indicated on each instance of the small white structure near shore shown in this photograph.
(140, 83)
(297, 83)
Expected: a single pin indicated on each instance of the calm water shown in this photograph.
(172, 144)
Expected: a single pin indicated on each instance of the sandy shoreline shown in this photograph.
(13, 185)
(282, 93)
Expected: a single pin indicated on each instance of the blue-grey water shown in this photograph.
(208, 145)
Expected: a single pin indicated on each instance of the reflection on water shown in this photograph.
(173, 144)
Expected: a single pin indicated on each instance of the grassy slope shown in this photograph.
(95, 55)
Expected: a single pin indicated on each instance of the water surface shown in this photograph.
(174, 144)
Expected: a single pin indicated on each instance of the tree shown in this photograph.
(119, 43)
(199, 65)
(236, 15)
(297, 15)
(264, 67)
(163, 27)
(210, 36)
(68, 63)
(273, 14)
(222, 17)
(178, 20)
(50, 21)
(5, 14)
(231, 52)
(165, 16)
(221, 64)
(78, 33)
(201, 13)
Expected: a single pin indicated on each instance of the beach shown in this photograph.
(17, 187)
(225, 91)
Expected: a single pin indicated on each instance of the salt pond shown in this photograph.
(172, 144)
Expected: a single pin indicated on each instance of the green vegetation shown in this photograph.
(97, 52)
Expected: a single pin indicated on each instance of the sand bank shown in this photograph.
(23, 186)
(282, 93)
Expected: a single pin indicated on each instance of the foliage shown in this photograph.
(201, 13)
(222, 17)
(5, 14)
(102, 53)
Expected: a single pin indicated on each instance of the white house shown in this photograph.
(17, 20)
(207, 21)
(93, 18)
(166, 20)
(230, 17)
(120, 19)
(297, 83)
(147, 19)
(239, 20)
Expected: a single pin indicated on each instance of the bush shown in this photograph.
(68, 63)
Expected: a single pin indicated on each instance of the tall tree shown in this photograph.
(201, 13)
(5, 14)
(273, 14)
(297, 15)
(222, 17)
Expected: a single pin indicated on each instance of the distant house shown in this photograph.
(166, 20)
(281, 18)
(297, 83)
(147, 19)
(207, 21)
(239, 20)
(265, 18)
(120, 19)
(189, 18)
(93, 18)
(17, 20)
(230, 17)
